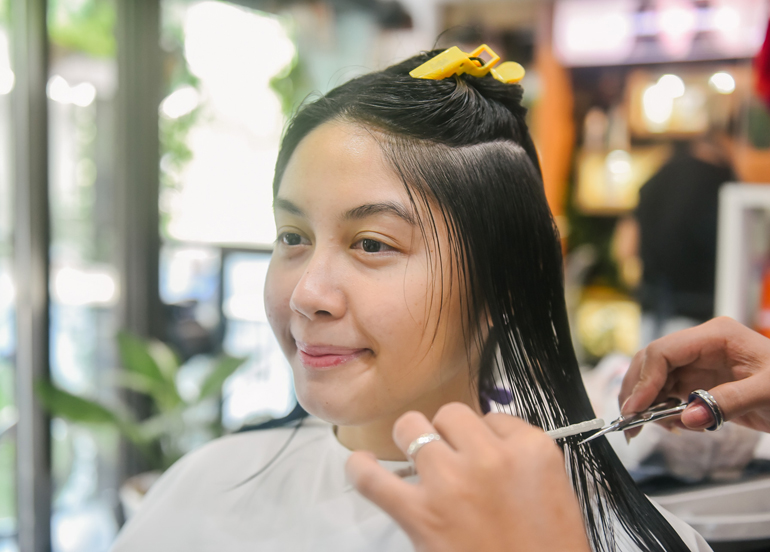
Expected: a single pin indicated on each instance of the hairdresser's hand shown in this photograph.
(492, 484)
(721, 356)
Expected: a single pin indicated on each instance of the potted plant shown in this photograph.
(183, 398)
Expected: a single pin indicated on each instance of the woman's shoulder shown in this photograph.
(227, 461)
(243, 451)
(694, 541)
(210, 480)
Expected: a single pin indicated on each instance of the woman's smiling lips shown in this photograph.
(319, 357)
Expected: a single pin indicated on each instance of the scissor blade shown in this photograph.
(601, 432)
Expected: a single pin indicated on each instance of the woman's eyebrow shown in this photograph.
(387, 207)
(282, 204)
(357, 213)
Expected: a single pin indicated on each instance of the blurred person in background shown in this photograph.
(673, 233)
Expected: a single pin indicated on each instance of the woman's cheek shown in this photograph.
(277, 295)
(398, 322)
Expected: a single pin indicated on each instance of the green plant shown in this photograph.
(178, 419)
(86, 26)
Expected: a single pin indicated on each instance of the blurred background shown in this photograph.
(137, 144)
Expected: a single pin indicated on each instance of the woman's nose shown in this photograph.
(318, 292)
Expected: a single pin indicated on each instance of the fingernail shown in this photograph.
(628, 438)
(623, 408)
(697, 416)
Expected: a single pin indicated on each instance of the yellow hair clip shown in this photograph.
(454, 61)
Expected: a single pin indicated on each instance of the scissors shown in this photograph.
(666, 409)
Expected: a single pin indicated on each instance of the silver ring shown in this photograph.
(711, 404)
(421, 441)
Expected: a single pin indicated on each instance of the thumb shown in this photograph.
(734, 399)
(388, 491)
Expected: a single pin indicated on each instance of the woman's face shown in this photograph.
(352, 293)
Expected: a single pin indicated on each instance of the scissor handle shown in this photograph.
(673, 407)
(711, 403)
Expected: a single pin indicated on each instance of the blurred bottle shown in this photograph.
(763, 316)
(595, 128)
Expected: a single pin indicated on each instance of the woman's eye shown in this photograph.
(372, 246)
(291, 238)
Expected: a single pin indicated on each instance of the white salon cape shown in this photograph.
(209, 501)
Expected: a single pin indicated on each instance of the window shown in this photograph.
(83, 280)
(221, 122)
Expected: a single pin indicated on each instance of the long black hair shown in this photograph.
(463, 151)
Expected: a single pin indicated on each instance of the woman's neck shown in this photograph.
(377, 435)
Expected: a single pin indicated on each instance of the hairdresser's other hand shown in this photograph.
(492, 484)
(721, 356)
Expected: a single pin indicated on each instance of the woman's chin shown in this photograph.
(338, 397)
(333, 408)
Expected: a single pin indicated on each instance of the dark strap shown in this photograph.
(297, 414)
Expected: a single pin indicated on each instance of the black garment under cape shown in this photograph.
(677, 215)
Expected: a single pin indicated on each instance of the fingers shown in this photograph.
(631, 378)
(650, 367)
(395, 496)
(734, 399)
(697, 416)
(645, 378)
(408, 428)
(506, 426)
(463, 428)
(722, 356)
(527, 443)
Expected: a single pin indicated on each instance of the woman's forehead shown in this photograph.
(338, 145)
(343, 162)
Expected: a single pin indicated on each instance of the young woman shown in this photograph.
(416, 264)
